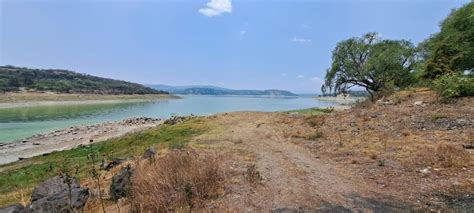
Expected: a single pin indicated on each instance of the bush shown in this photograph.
(454, 85)
(177, 181)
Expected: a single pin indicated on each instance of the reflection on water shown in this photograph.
(24, 122)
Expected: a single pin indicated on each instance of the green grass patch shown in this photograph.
(437, 116)
(313, 111)
(315, 136)
(28, 173)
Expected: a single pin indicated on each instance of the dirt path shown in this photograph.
(293, 177)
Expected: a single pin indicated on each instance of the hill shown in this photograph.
(64, 81)
(212, 90)
(181, 89)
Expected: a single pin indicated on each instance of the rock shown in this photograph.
(14, 208)
(24, 141)
(425, 171)
(211, 206)
(419, 104)
(175, 120)
(36, 144)
(468, 146)
(462, 122)
(111, 164)
(149, 153)
(58, 194)
(384, 102)
(91, 140)
(138, 121)
(120, 185)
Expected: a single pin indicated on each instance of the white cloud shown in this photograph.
(216, 8)
(283, 74)
(301, 40)
(317, 79)
(243, 32)
(300, 76)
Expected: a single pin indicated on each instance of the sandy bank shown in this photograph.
(13, 100)
(71, 137)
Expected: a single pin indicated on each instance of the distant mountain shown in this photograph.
(64, 81)
(212, 90)
(181, 89)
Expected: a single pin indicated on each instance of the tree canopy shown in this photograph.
(370, 63)
(452, 49)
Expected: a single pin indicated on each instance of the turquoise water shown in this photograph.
(23, 122)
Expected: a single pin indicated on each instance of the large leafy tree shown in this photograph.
(452, 49)
(370, 63)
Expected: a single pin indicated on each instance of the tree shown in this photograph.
(13, 82)
(452, 49)
(370, 63)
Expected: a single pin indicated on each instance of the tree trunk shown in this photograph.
(371, 95)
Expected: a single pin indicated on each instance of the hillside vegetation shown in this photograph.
(64, 81)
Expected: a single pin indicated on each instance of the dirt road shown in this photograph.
(293, 176)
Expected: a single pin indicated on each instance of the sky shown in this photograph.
(278, 44)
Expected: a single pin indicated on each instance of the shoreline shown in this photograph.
(19, 100)
(68, 138)
(341, 100)
(66, 103)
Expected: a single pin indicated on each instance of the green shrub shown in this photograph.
(315, 136)
(454, 85)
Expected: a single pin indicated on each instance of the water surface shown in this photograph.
(23, 122)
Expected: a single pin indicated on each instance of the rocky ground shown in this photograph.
(68, 138)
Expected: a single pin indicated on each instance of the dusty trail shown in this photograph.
(293, 176)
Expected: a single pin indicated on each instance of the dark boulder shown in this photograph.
(14, 208)
(120, 186)
(113, 163)
(58, 194)
(149, 153)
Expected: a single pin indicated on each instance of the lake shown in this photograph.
(18, 123)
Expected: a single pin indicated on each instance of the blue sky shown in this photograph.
(236, 44)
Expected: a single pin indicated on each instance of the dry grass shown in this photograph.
(177, 181)
(317, 135)
(447, 156)
(252, 175)
(315, 121)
